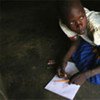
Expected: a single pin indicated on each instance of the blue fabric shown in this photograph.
(85, 59)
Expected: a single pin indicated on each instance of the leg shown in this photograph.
(85, 59)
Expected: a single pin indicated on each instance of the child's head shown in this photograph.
(73, 15)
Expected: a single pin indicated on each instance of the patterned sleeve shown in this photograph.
(94, 22)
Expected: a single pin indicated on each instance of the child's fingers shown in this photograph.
(60, 74)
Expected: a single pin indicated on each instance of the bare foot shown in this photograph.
(51, 62)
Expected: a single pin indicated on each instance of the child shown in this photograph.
(83, 28)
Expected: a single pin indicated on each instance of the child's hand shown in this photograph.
(61, 70)
(61, 73)
(78, 78)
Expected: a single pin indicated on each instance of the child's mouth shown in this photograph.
(81, 32)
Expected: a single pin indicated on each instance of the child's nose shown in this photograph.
(78, 24)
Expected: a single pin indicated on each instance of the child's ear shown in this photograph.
(66, 30)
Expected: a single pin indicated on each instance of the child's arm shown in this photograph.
(67, 57)
(80, 78)
(92, 72)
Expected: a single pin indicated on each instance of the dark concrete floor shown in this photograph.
(29, 36)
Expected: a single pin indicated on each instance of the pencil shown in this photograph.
(61, 80)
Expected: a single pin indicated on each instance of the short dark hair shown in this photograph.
(64, 6)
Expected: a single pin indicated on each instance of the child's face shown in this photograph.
(77, 20)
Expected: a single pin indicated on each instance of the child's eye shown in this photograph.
(81, 18)
(71, 23)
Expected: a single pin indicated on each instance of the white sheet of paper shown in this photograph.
(71, 69)
(63, 88)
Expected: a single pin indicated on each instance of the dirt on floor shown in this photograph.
(29, 37)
